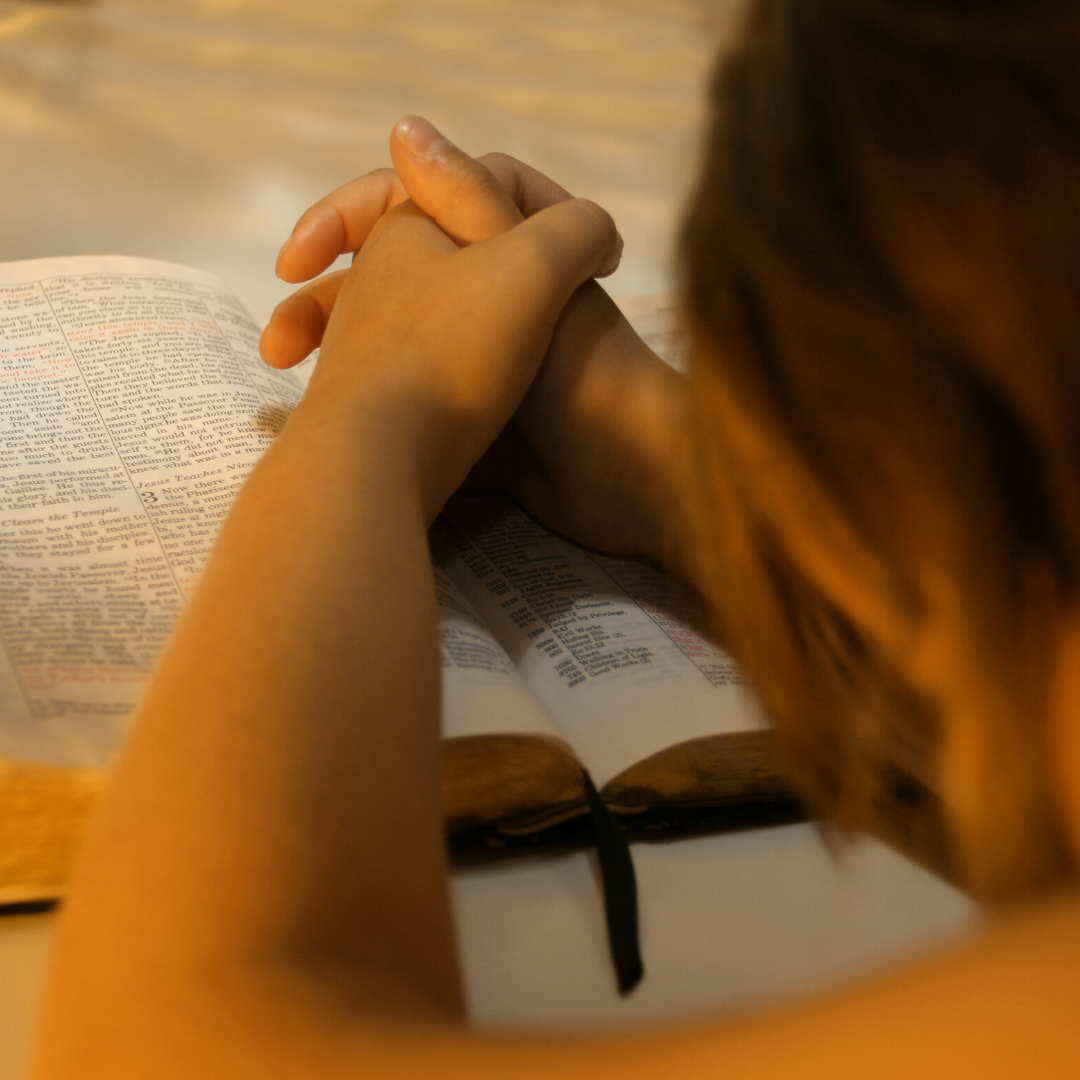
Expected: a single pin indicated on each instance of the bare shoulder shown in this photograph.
(1004, 1003)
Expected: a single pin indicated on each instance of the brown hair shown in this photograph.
(882, 268)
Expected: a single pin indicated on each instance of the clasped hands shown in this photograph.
(470, 311)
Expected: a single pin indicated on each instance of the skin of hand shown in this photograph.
(589, 450)
(456, 378)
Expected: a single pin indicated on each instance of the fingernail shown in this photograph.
(422, 139)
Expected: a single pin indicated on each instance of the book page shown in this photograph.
(483, 693)
(620, 674)
(133, 404)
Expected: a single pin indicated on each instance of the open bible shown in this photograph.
(133, 404)
(555, 658)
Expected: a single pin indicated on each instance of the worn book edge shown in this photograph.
(521, 784)
(44, 812)
(515, 785)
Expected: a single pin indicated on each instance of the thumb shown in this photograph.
(462, 195)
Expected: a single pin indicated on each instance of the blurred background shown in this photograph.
(197, 131)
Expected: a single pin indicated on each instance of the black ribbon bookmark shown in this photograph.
(620, 890)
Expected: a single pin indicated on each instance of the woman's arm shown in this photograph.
(264, 894)
(268, 870)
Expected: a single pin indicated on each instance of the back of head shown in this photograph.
(883, 271)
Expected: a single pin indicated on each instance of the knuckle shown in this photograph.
(504, 168)
(474, 181)
(600, 217)
(498, 160)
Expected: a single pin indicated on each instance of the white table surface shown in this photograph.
(196, 132)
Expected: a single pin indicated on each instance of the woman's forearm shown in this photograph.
(278, 799)
(264, 893)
